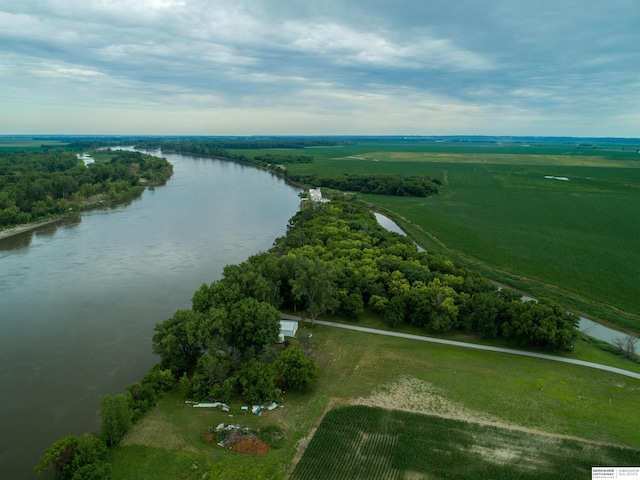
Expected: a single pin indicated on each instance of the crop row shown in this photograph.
(370, 443)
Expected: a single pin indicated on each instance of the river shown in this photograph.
(79, 299)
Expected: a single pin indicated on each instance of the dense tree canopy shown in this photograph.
(297, 371)
(75, 458)
(34, 185)
(384, 271)
(397, 185)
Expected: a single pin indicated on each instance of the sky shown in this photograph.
(320, 67)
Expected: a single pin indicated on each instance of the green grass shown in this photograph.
(505, 218)
(361, 442)
(25, 144)
(516, 391)
(574, 240)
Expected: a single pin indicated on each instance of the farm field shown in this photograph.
(575, 239)
(22, 144)
(368, 443)
(356, 368)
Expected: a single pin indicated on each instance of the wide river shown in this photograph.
(79, 299)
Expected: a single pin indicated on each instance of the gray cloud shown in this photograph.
(276, 66)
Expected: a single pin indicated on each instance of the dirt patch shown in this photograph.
(496, 455)
(250, 445)
(412, 395)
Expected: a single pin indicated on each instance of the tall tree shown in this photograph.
(297, 371)
(314, 284)
(258, 383)
(180, 340)
(75, 458)
(251, 326)
(116, 415)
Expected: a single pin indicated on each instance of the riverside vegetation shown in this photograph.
(38, 185)
(499, 209)
(334, 259)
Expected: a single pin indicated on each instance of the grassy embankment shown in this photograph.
(574, 241)
(434, 379)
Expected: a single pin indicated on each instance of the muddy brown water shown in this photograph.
(79, 299)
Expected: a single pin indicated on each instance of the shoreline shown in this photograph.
(10, 232)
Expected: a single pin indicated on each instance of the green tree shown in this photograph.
(116, 415)
(296, 370)
(258, 383)
(75, 458)
(352, 305)
(159, 379)
(314, 283)
(58, 458)
(220, 294)
(211, 372)
(180, 340)
(251, 326)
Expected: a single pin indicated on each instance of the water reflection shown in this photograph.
(24, 239)
(388, 224)
(79, 298)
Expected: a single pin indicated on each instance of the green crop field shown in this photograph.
(575, 239)
(26, 144)
(400, 374)
(362, 442)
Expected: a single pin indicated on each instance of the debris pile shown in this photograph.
(239, 438)
(257, 409)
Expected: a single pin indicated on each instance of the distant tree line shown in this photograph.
(415, 186)
(397, 185)
(272, 159)
(186, 145)
(36, 185)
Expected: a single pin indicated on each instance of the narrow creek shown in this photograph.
(585, 325)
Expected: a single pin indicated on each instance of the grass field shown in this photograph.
(576, 240)
(26, 144)
(497, 389)
(367, 443)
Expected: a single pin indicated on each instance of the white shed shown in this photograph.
(288, 328)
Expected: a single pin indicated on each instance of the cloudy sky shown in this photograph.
(252, 67)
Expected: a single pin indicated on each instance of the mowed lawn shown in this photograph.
(500, 211)
(499, 390)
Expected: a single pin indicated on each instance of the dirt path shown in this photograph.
(456, 343)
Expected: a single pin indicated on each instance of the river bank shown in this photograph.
(100, 202)
(9, 232)
(85, 296)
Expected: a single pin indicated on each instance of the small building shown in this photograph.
(315, 195)
(288, 328)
